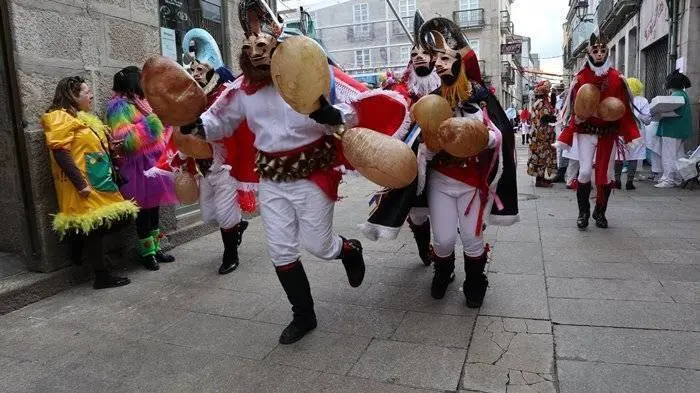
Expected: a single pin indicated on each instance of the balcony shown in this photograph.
(613, 14)
(507, 73)
(507, 26)
(470, 19)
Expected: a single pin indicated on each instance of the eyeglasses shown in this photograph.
(595, 51)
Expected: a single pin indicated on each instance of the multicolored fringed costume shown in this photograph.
(133, 122)
(85, 138)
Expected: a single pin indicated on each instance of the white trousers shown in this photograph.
(671, 151)
(448, 200)
(571, 171)
(656, 163)
(587, 145)
(297, 211)
(218, 199)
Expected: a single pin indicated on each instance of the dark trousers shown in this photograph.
(146, 221)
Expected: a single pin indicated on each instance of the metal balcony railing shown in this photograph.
(360, 32)
(613, 14)
(506, 24)
(469, 19)
(507, 73)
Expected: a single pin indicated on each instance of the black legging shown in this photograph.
(146, 221)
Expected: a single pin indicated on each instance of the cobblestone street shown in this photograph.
(611, 310)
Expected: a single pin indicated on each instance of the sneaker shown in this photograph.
(664, 184)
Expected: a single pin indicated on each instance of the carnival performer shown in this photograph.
(461, 192)
(543, 156)
(632, 156)
(597, 130)
(142, 137)
(222, 189)
(419, 79)
(525, 126)
(296, 160)
(89, 202)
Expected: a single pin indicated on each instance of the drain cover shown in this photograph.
(527, 197)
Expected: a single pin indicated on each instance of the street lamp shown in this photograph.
(582, 11)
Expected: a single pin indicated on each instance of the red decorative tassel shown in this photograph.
(247, 201)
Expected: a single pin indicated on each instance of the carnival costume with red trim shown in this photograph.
(596, 138)
(298, 159)
(462, 191)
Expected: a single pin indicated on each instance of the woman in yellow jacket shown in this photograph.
(88, 197)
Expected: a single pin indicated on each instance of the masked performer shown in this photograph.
(386, 220)
(600, 101)
(219, 189)
(296, 159)
(462, 191)
(543, 156)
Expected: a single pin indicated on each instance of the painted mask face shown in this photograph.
(259, 48)
(199, 72)
(422, 61)
(447, 65)
(598, 54)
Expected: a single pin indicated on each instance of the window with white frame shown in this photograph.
(468, 15)
(362, 58)
(476, 46)
(405, 54)
(407, 8)
(360, 14)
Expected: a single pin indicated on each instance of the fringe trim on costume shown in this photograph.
(422, 85)
(374, 232)
(424, 155)
(100, 217)
(602, 70)
(405, 127)
(458, 92)
(141, 132)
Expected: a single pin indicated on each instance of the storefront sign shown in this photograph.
(653, 21)
(514, 48)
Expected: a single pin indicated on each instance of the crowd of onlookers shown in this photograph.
(661, 147)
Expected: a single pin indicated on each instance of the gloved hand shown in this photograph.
(192, 128)
(327, 114)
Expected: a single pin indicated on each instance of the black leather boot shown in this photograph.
(583, 193)
(475, 282)
(422, 235)
(232, 239)
(296, 286)
(354, 263)
(601, 205)
(443, 275)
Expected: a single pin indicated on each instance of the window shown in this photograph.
(468, 4)
(360, 14)
(469, 15)
(632, 50)
(621, 56)
(476, 46)
(362, 58)
(407, 8)
(178, 17)
(405, 54)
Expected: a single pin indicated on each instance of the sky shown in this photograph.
(542, 21)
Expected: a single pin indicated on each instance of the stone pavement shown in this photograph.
(599, 311)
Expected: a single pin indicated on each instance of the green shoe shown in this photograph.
(160, 255)
(147, 252)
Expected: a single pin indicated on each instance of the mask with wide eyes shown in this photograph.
(447, 65)
(259, 48)
(422, 61)
(598, 54)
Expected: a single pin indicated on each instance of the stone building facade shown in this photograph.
(365, 38)
(46, 40)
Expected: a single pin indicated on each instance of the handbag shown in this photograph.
(117, 177)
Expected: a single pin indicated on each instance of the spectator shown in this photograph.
(89, 202)
(674, 130)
